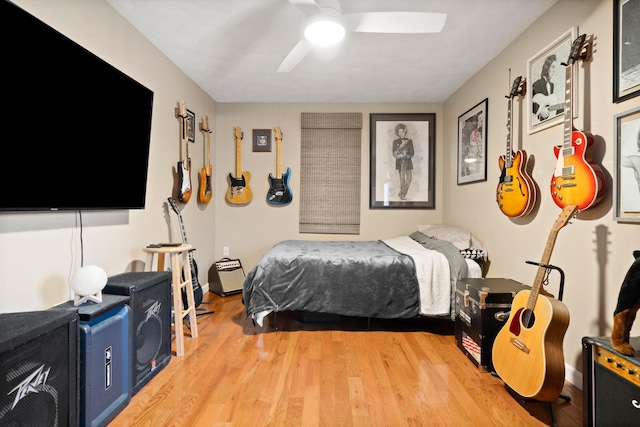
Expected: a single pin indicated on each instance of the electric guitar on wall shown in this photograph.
(576, 180)
(516, 193)
(197, 289)
(205, 193)
(279, 192)
(239, 192)
(184, 165)
(527, 352)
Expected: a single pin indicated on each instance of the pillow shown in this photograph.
(462, 239)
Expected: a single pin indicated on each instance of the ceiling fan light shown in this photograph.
(324, 31)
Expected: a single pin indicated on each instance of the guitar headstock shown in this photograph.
(278, 133)
(204, 127)
(183, 109)
(578, 51)
(238, 132)
(567, 213)
(518, 87)
(173, 205)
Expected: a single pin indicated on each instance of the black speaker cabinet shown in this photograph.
(611, 384)
(150, 302)
(39, 368)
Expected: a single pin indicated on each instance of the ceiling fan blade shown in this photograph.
(308, 7)
(298, 52)
(395, 22)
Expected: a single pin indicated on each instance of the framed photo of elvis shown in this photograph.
(546, 84)
(626, 49)
(402, 156)
(626, 159)
(262, 140)
(472, 144)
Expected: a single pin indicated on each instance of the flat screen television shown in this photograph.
(75, 131)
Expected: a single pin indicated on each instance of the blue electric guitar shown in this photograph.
(279, 192)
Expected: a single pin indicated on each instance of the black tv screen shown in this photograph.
(75, 131)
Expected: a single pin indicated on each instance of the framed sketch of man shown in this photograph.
(547, 83)
(402, 160)
(627, 166)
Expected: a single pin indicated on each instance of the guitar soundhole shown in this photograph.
(528, 318)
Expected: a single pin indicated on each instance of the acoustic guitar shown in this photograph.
(239, 192)
(279, 192)
(197, 288)
(516, 192)
(205, 193)
(527, 352)
(576, 180)
(184, 165)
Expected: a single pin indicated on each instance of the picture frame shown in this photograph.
(262, 140)
(537, 91)
(626, 50)
(402, 160)
(472, 144)
(626, 187)
(191, 126)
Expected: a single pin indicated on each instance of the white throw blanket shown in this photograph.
(432, 270)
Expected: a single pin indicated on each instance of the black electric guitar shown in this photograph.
(184, 165)
(279, 192)
(197, 289)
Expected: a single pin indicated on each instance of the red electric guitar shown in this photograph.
(516, 192)
(576, 180)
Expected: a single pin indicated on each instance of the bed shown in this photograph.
(402, 277)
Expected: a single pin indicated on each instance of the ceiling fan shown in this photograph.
(327, 25)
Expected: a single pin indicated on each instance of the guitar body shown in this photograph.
(184, 183)
(528, 356)
(279, 192)
(205, 193)
(576, 180)
(516, 193)
(239, 192)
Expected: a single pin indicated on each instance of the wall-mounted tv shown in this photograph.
(75, 131)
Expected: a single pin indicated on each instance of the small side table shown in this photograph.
(179, 264)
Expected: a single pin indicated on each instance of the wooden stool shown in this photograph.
(179, 263)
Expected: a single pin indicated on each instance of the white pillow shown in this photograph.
(461, 239)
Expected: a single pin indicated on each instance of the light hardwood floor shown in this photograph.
(397, 373)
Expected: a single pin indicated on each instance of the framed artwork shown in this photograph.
(546, 78)
(191, 126)
(626, 187)
(402, 161)
(626, 49)
(262, 140)
(472, 144)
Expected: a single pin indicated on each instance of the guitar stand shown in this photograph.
(550, 267)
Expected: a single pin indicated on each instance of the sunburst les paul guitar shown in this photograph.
(527, 352)
(279, 192)
(184, 165)
(205, 193)
(239, 192)
(576, 179)
(516, 192)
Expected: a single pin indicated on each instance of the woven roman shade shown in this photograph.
(330, 173)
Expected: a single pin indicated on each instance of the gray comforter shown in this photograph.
(351, 278)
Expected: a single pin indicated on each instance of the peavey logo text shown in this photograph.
(37, 378)
(153, 311)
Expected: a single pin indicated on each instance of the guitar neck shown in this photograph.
(508, 157)
(278, 158)
(238, 156)
(546, 257)
(568, 109)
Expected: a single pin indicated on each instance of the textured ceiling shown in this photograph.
(232, 49)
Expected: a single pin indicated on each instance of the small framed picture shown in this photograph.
(626, 50)
(626, 194)
(472, 144)
(191, 126)
(402, 161)
(546, 77)
(262, 140)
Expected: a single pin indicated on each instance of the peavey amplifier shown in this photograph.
(226, 277)
(611, 384)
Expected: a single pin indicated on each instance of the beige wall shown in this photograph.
(39, 251)
(591, 285)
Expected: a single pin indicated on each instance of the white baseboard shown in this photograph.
(573, 376)
(205, 288)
